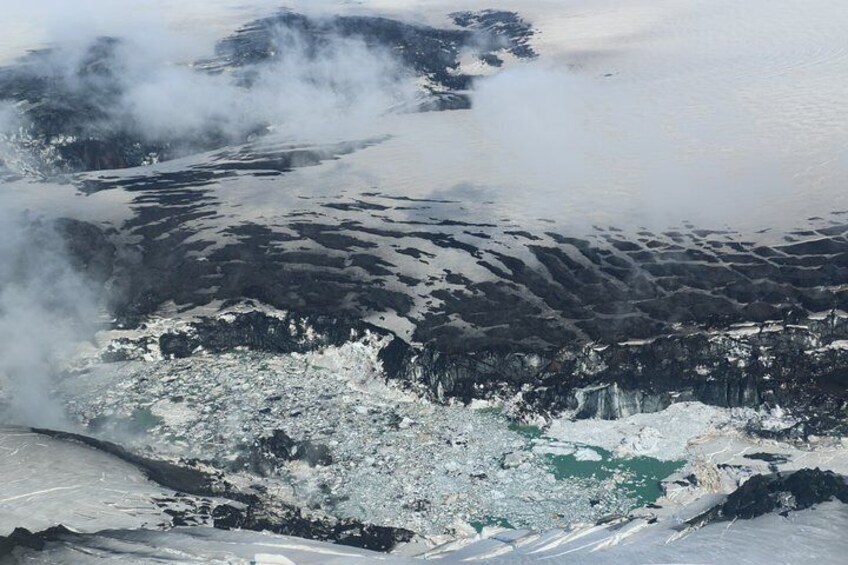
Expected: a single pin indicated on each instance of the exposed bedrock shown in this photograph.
(75, 111)
(783, 493)
(610, 402)
(431, 53)
(23, 538)
(285, 333)
(798, 367)
(226, 517)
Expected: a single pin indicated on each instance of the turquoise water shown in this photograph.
(639, 477)
(642, 475)
(139, 422)
(487, 521)
(528, 431)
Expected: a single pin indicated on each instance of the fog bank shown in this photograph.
(46, 309)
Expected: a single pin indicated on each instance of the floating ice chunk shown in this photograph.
(587, 454)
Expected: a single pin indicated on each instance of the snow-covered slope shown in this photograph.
(47, 482)
(111, 512)
(810, 536)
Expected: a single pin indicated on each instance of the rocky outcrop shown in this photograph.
(67, 120)
(281, 333)
(344, 532)
(796, 366)
(23, 538)
(432, 54)
(799, 367)
(74, 117)
(611, 402)
(763, 494)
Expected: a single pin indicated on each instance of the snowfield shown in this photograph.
(638, 112)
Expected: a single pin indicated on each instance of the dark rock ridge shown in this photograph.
(23, 538)
(797, 367)
(424, 51)
(73, 119)
(783, 493)
(374, 538)
(282, 332)
(506, 30)
(170, 475)
(801, 368)
(343, 532)
(247, 510)
(77, 119)
(286, 333)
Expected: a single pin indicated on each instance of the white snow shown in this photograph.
(662, 435)
(737, 101)
(46, 482)
(813, 536)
